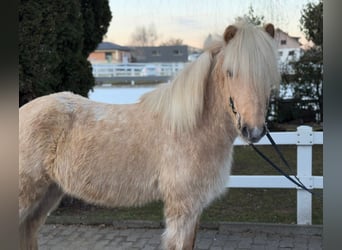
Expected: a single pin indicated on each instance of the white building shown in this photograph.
(289, 49)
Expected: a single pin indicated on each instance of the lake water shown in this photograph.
(119, 94)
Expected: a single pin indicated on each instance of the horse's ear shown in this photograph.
(229, 33)
(269, 28)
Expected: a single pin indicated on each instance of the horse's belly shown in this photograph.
(111, 186)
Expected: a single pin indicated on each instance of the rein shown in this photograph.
(294, 180)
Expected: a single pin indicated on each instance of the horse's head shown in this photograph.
(249, 66)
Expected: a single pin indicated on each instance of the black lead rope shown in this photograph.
(280, 154)
(296, 181)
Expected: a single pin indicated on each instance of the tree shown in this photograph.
(96, 18)
(144, 36)
(309, 68)
(172, 41)
(55, 39)
(309, 78)
(252, 18)
(311, 22)
(38, 57)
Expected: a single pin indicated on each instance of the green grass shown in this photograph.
(237, 205)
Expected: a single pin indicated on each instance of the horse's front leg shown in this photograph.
(189, 241)
(181, 228)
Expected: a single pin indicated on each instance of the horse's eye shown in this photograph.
(229, 73)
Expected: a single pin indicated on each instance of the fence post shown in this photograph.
(304, 173)
(114, 70)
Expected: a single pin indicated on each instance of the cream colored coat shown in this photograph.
(175, 145)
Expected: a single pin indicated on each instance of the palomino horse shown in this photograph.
(174, 145)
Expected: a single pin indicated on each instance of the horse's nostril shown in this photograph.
(244, 131)
(253, 134)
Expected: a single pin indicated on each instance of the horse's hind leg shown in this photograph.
(36, 216)
(181, 227)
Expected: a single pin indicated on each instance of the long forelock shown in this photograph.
(251, 55)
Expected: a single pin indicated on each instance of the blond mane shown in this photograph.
(250, 55)
(181, 102)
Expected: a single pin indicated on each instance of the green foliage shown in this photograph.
(55, 39)
(38, 56)
(312, 22)
(309, 72)
(309, 75)
(307, 80)
(251, 17)
(308, 69)
(96, 16)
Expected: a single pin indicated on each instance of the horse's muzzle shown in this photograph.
(253, 134)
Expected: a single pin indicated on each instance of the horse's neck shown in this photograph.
(216, 114)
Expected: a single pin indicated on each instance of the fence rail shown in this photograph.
(304, 138)
(135, 69)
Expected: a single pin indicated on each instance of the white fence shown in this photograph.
(135, 69)
(304, 138)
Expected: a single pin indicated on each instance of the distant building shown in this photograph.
(194, 53)
(193, 57)
(289, 49)
(107, 52)
(152, 54)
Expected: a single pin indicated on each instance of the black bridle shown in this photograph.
(294, 180)
(237, 115)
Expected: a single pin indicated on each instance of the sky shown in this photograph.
(193, 20)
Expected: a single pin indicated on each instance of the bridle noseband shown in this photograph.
(237, 115)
